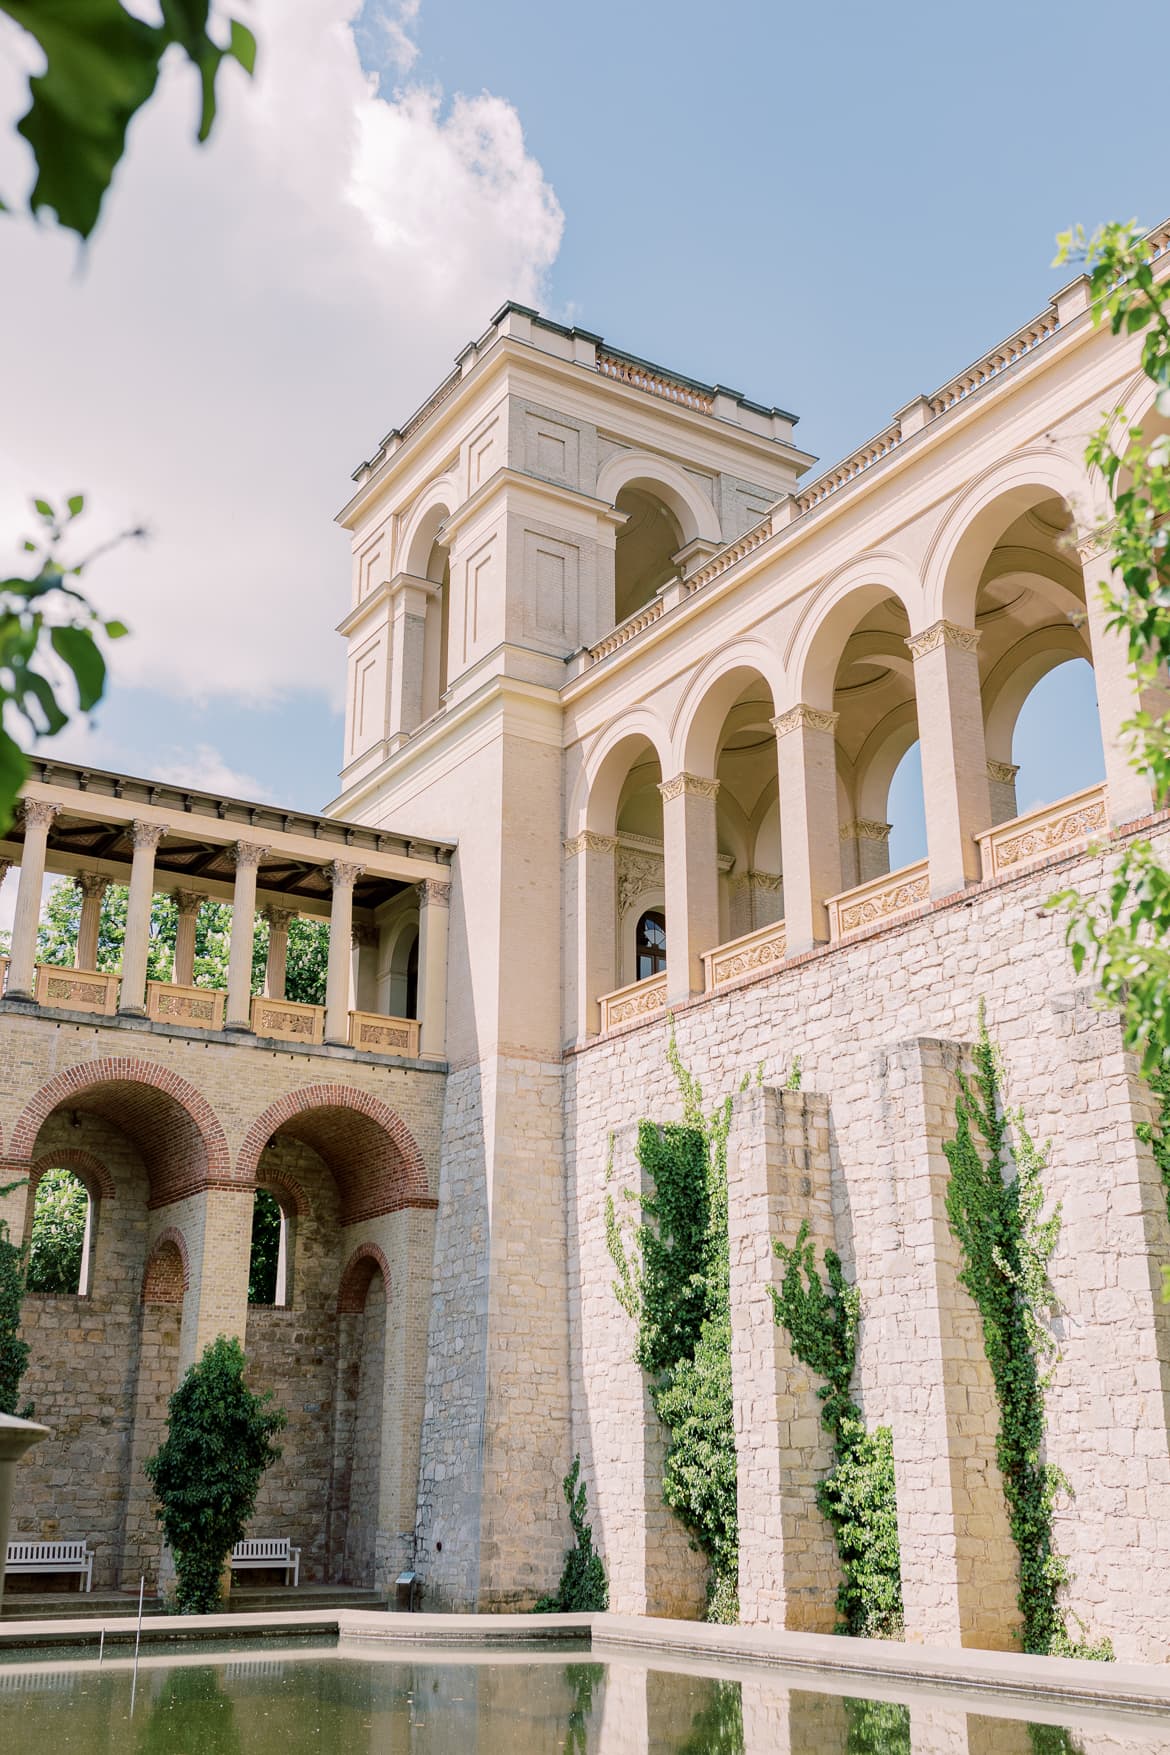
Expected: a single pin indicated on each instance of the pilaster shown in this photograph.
(806, 753)
(955, 791)
(692, 880)
(590, 929)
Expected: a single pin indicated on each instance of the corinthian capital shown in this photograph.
(942, 633)
(433, 893)
(690, 786)
(91, 884)
(247, 853)
(147, 835)
(804, 718)
(343, 875)
(38, 813)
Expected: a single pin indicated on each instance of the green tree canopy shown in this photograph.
(58, 1233)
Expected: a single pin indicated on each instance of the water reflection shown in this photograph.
(336, 1702)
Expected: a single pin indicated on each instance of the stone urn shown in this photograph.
(16, 1436)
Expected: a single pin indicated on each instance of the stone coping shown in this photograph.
(884, 1663)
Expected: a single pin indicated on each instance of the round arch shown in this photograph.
(1016, 675)
(710, 695)
(598, 787)
(172, 1124)
(830, 616)
(167, 1274)
(422, 527)
(679, 491)
(373, 1155)
(986, 508)
(89, 1171)
(878, 759)
(357, 1276)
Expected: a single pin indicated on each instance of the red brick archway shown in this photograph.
(172, 1125)
(366, 1261)
(287, 1190)
(99, 1184)
(375, 1161)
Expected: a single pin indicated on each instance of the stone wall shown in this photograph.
(880, 1025)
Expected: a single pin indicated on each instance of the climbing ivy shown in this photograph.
(582, 1589)
(877, 1727)
(674, 1281)
(857, 1495)
(1006, 1246)
(1157, 1136)
(13, 1351)
(717, 1727)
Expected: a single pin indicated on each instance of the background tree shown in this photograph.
(101, 65)
(13, 1351)
(264, 1257)
(57, 1240)
(208, 1469)
(308, 941)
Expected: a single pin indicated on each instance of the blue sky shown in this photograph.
(832, 209)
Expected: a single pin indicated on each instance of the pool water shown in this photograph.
(346, 1701)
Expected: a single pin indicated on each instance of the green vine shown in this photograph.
(717, 1727)
(674, 1281)
(1157, 1137)
(582, 1589)
(877, 1727)
(1006, 1246)
(13, 1351)
(857, 1495)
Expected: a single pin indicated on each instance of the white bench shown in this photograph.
(265, 1551)
(51, 1557)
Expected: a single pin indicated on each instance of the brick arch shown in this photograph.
(375, 1161)
(287, 1189)
(167, 1273)
(173, 1126)
(99, 1184)
(366, 1261)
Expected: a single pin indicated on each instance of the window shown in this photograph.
(412, 980)
(62, 1234)
(650, 944)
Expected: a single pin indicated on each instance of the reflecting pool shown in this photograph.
(353, 1700)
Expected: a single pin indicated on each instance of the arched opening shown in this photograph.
(402, 994)
(436, 631)
(646, 545)
(640, 859)
(1042, 727)
(61, 1236)
(362, 1335)
(877, 737)
(269, 1256)
(650, 944)
(751, 893)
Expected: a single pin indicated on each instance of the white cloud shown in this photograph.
(252, 316)
(200, 765)
(393, 24)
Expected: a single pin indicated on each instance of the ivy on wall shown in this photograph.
(1006, 1245)
(1157, 1136)
(857, 1495)
(582, 1589)
(674, 1281)
(13, 1351)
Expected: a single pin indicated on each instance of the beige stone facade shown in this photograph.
(625, 700)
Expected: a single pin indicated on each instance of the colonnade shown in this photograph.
(344, 935)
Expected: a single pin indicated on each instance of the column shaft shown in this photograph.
(1118, 699)
(136, 947)
(343, 877)
(590, 929)
(809, 835)
(248, 855)
(188, 903)
(955, 792)
(92, 887)
(434, 912)
(692, 880)
(38, 816)
(276, 967)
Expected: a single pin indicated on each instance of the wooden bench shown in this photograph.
(51, 1557)
(265, 1551)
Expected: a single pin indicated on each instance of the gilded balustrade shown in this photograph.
(881, 900)
(628, 1005)
(199, 1007)
(761, 949)
(1041, 834)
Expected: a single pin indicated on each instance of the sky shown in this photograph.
(831, 211)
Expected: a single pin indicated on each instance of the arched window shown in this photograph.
(62, 1234)
(269, 1259)
(412, 980)
(650, 943)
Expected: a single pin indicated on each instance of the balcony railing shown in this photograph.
(76, 990)
(879, 901)
(743, 956)
(1057, 828)
(642, 999)
(374, 1034)
(200, 1007)
(288, 1020)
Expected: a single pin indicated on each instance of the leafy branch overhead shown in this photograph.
(101, 65)
(45, 604)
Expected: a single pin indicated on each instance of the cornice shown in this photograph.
(506, 477)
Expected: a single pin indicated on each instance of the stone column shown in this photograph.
(22, 957)
(217, 1223)
(590, 929)
(279, 920)
(955, 791)
(1118, 699)
(959, 1564)
(342, 876)
(865, 851)
(188, 903)
(136, 948)
(434, 911)
(363, 985)
(16, 1436)
(806, 751)
(691, 853)
(778, 1175)
(93, 887)
(1001, 784)
(246, 856)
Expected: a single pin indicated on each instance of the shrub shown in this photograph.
(582, 1589)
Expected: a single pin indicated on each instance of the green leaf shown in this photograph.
(243, 46)
(79, 650)
(76, 504)
(116, 630)
(44, 508)
(13, 774)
